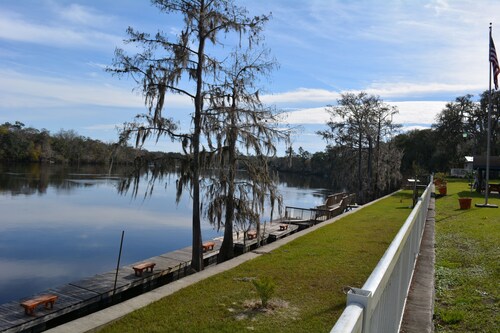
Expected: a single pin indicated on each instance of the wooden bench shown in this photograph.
(283, 227)
(139, 268)
(252, 234)
(494, 188)
(207, 246)
(31, 304)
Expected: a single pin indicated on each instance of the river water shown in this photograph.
(59, 224)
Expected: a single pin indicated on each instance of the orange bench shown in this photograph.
(252, 234)
(31, 304)
(283, 227)
(139, 268)
(207, 246)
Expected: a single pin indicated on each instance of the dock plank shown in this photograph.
(4, 325)
(103, 283)
(73, 292)
(183, 255)
(13, 313)
(277, 234)
(166, 263)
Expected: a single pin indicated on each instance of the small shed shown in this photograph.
(469, 163)
(468, 167)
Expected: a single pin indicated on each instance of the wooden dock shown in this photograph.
(82, 297)
(269, 233)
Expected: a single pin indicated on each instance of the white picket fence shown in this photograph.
(378, 306)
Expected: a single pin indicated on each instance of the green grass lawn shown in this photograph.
(310, 274)
(467, 263)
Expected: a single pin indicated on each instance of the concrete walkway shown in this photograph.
(419, 309)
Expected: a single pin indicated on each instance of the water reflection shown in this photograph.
(36, 178)
(60, 224)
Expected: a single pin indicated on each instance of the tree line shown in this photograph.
(367, 153)
(21, 144)
(460, 129)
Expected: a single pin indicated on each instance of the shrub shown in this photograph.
(265, 289)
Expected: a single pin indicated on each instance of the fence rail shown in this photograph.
(378, 306)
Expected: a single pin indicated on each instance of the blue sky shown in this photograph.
(414, 54)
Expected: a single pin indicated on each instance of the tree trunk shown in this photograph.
(377, 162)
(226, 251)
(197, 253)
(370, 168)
(360, 180)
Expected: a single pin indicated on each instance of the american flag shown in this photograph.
(494, 63)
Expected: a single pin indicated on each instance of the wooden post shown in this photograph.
(118, 263)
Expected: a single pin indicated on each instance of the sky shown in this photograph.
(414, 54)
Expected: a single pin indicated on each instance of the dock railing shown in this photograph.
(378, 306)
(297, 213)
(308, 214)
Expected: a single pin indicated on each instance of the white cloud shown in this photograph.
(14, 27)
(19, 90)
(23, 90)
(386, 90)
(102, 127)
(307, 116)
(417, 112)
(411, 128)
(75, 13)
(408, 89)
(410, 112)
(302, 95)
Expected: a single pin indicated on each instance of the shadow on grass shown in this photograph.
(440, 196)
(405, 207)
(404, 195)
(457, 212)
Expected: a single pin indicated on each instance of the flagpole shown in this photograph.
(490, 106)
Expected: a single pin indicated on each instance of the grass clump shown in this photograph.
(309, 274)
(467, 263)
(451, 317)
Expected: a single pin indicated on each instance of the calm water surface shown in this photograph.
(58, 224)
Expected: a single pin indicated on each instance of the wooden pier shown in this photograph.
(82, 297)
